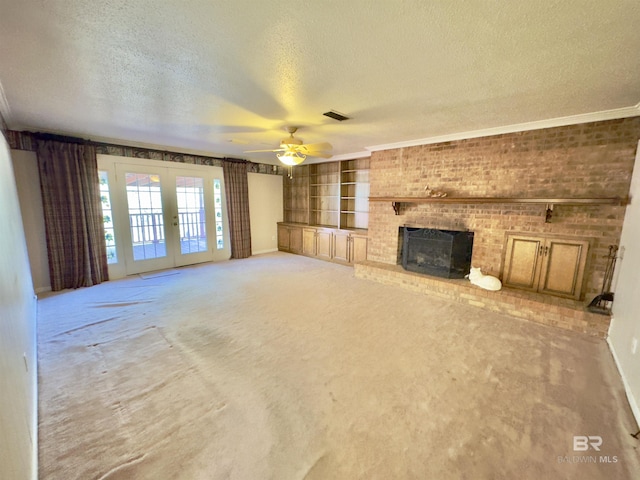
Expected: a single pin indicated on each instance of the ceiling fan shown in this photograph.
(293, 152)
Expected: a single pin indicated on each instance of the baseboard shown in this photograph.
(42, 289)
(635, 408)
(34, 416)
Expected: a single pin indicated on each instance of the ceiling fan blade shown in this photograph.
(272, 150)
(318, 147)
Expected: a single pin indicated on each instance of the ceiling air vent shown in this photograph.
(335, 115)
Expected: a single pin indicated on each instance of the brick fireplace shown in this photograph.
(578, 161)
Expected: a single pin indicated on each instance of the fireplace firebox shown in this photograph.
(442, 253)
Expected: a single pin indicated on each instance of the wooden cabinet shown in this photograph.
(546, 265)
(332, 244)
(324, 243)
(349, 247)
(341, 246)
(358, 248)
(326, 211)
(290, 238)
(309, 241)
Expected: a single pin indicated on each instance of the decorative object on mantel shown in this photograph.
(602, 303)
(434, 193)
(488, 282)
(397, 202)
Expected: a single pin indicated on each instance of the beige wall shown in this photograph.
(18, 363)
(25, 167)
(265, 210)
(625, 325)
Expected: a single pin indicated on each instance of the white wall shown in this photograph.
(625, 325)
(25, 168)
(18, 363)
(265, 210)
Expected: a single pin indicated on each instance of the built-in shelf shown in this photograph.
(330, 194)
(397, 202)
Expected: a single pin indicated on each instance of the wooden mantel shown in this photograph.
(396, 202)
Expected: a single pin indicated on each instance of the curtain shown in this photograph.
(236, 188)
(72, 213)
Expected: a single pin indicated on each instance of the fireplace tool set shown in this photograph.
(602, 303)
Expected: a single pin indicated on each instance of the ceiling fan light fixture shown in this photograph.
(291, 158)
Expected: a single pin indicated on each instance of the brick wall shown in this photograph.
(586, 160)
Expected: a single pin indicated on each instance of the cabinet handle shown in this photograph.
(546, 251)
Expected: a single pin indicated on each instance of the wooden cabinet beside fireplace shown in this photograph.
(332, 244)
(552, 265)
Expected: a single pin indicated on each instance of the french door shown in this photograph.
(166, 216)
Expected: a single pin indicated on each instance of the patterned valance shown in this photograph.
(27, 141)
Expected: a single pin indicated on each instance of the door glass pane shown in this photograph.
(107, 217)
(217, 200)
(145, 216)
(191, 218)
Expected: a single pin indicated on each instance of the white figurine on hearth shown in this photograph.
(488, 282)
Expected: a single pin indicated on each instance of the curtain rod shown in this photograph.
(235, 160)
(60, 138)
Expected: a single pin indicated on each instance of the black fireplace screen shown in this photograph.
(442, 253)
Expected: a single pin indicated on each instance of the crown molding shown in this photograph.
(616, 113)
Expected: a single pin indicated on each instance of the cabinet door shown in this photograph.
(341, 246)
(323, 244)
(295, 239)
(309, 241)
(522, 262)
(283, 238)
(563, 264)
(358, 248)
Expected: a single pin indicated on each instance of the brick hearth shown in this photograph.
(545, 309)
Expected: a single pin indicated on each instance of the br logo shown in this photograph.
(582, 443)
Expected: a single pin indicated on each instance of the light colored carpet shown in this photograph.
(284, 367)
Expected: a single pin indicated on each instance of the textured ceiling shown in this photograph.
(221, 77)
